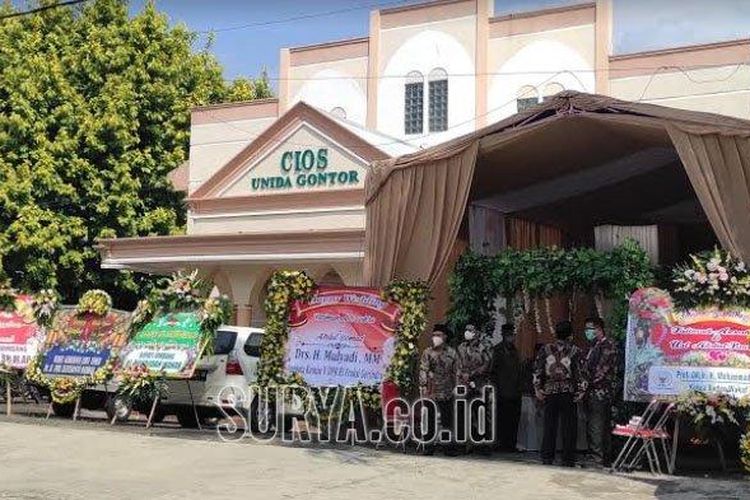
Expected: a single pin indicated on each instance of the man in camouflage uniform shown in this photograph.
(558, 384)
(474, 362)
(437, 380)
(600, 377)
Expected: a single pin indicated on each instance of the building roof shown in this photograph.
(384, 142)
(164, 254)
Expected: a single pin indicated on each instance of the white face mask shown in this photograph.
(437, 341)
(469, 334)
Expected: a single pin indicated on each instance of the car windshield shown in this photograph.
(225, 340)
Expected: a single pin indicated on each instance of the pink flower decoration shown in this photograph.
(718, 356)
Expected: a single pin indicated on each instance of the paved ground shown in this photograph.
(88, 459)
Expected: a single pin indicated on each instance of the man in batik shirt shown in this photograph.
(600, 370)
(474, 362)
(558, 384)
(437, 380)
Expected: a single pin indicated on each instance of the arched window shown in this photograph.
(527, 97)
(339, 112)
(551, 89)
(414, 103)
(438, 100)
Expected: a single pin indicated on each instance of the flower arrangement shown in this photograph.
(65, 390)
(284, 288)
(714, 278)
(214, 312)
(144, 311)
(714, 358)
(709, 412)
(44, 305)
(288, 286)
(139, 384)
(96, 302)
(412, 298)
(745, 448)
(185, 291)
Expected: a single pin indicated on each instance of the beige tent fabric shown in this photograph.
(415, 203)
(718, 166)
(415, 217)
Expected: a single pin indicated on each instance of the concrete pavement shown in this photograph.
(66, 460)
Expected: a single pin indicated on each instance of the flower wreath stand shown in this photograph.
(142, 387)
(286, 287)
(67, 390)
(43, 306)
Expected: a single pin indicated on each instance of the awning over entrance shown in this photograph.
(574, 159)
(164, 254)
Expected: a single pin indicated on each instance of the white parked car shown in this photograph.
(219, 387)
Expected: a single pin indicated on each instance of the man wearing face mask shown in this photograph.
(599, 373)
(474, 360)
(437, 380)
(506, 375)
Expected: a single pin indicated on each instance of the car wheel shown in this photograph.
(118, 408)
(159, 416)
(65, 410)
(187, 418)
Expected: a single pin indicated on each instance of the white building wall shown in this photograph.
(213, 144)
(332, 84)
(448, 45)
(724, 90)
(540, 60)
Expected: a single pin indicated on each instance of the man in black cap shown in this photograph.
(506, 375)
(559, 386)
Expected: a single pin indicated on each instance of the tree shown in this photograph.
(94, 112)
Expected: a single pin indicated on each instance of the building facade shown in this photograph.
(278, 183)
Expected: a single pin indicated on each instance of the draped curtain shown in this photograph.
(415, 204)
(718, 165)
(414, 218)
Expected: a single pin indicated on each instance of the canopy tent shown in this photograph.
(574, 159)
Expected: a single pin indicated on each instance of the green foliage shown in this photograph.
(94, 112)
(542, 272)
(473, 287)
(185, 291)
(412, 298)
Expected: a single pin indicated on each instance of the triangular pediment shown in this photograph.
(303, 151)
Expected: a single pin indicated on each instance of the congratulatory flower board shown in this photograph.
(341, 336)
(170, 343)
(672, 350)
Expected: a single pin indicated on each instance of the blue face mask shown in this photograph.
(590, 334)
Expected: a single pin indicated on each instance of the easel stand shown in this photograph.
(153, 411)
(77, 408)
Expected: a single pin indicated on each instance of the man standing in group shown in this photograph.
(600, 376)
(506, 375)
(437, 381)
(473, 371)
(558, 385)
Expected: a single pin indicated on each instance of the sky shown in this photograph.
(249, 34)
